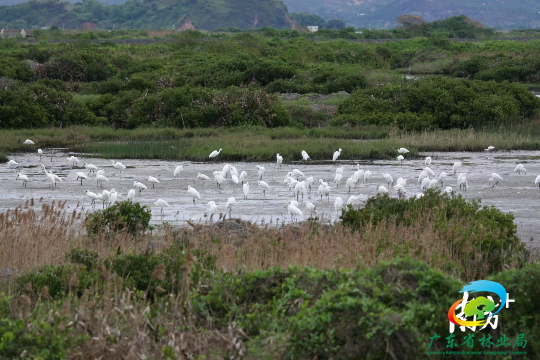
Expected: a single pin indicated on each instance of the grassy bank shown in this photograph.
(274, 293)
(261, 144)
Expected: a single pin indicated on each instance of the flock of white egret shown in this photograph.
(299, 184)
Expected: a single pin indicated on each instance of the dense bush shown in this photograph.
(124, 216)
(439, 103)
(473, 230)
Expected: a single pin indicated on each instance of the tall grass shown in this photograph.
(262, 144)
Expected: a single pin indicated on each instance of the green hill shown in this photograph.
(150, 14)
(382, 13)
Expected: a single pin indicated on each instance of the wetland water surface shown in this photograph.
(516, 193)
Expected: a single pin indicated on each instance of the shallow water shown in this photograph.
(516, 193)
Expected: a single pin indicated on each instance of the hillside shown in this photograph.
(151, 14)
(382, 13)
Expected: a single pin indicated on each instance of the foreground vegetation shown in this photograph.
(387, 275)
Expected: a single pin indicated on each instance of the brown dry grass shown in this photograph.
(30, 239)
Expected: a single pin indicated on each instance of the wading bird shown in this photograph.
(23, 178)
(161, 204)
(73, 160)
(336, 155)
(194, 194)
(305, 156)
(214, 153)
(400, 158)
(245, 188)
(119, 166)
(152, 180)
(264, 187)
(28, 142)
(279, 159)
(139, 186)
(494, 179)
(81, 176)
(90, 167)
(177, 171)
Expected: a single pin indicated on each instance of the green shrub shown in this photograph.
(123, 216)
(440, 102)
(472, 230)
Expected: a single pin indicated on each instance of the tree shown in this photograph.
(336, 24)
(306, 19)
(411, 22)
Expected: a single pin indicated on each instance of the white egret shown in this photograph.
(448, 190)
(12, 163)
(218, 176)
(338, 204)
(242, 177)
(400, 158)
(353, 198)
(194, 194)
(305, 156)
(114, 196)
(23, 178)
(427, 162)
(161, 204)
(367, 176)
(381, 190)
(260, 171)
(350, 182)
(462, 181)
(537, 181)
(311, 207)
(233, 171)
(490, 148)
(279, 159)
(297, 173)
(423, 175)
(211, 209)
(40, 153)
(228, 206)
(388, 179)
(28, 142)
(433, 183)
(401, 192)
(300, 187)
(429, 171)
(119, 166)
(131, 194)
(441, 177)
(100, 179)
(494, 179)
(455, 167)
(214, 153)
(90, 167)
(402, 150)
(226, 170)
(246, 190)
(336, 155)
(425, 183)
(235, 179)
(177, 171)
(92, 196)
(139, 186)
(401, 181)
(520, 168)
(337, 179)
(294, 211)
(152, 180)
(202, 177)
(105, 197)
(73, 160)
(81, 176)
(309, 181)
(327, 190)
(264, 186)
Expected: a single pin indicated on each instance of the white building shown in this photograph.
(313, 28)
